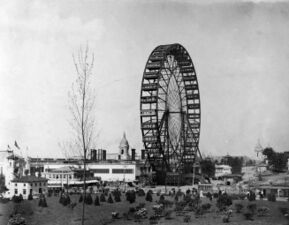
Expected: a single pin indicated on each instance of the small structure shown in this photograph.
(261, 168)
(221, 170)
(123, 149)
(26, 185)
(277, 190)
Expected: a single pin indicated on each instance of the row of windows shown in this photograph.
(122, 170)
(35, 184)
(113, 171)
(55, 176)
(24, 191)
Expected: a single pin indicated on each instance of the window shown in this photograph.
(100, 170)
(15, 184)
(35, 184)
(69, 176)
(24, 191)
(122, 170)
(40, 184)
(24, 184)
(16, 191)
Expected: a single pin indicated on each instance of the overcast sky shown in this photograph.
(240, 51)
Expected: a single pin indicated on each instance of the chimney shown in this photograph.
(133, 154)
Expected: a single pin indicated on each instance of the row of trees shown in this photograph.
(208, 165)
(277, 160)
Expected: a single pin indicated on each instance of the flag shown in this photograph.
(16, 145)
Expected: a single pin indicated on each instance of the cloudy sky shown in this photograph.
(240, 50)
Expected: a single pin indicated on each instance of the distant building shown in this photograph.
(26, 185)
(221, 170)
(261, 167)
(67, 176)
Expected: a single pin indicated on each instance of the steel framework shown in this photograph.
(170, 110)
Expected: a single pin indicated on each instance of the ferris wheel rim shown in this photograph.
(159, 55)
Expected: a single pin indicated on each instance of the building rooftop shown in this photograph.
(29, 179)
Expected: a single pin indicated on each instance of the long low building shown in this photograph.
(60, 172)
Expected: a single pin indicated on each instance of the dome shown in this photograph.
(124, 143)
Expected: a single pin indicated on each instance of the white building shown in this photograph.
(26, 185)
(115, 170)
(221, 170)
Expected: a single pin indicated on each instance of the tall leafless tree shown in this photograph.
(81, 106)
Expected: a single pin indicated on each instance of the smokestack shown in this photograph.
(93, 154)
(143, 154)
(133, 154)
(103, 154)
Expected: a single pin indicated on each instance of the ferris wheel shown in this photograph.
(170, 110)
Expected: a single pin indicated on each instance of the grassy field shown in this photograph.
(56, 214)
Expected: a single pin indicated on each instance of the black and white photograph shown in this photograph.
(144, 112)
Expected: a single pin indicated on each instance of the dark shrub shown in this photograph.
(162, 199)
(117, 198)
(17, 199)
(42, 201)
(215, 195)
(188, 191)
(252, 208)
(179, 193)
(131, 209)
(223, 202)
(102, 198)
(30, 197)
(206, 206)
(141, 192)
(187, 198)
(88, 199)
(130, 196)
(238, 207)
(271, 197)
(176, 198)
(96, 200)
(149, 196)
(263, 211)
(209, 196)
(64, 199)
(252, 196)
(248, 215)
(80, 198)
(109, 200)
(116, 193)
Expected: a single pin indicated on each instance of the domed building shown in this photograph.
(124, 149)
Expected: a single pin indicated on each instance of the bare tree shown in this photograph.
(81, 106)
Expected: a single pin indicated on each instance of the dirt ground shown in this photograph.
(56, 214)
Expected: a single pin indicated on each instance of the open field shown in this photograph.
(56, 214)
